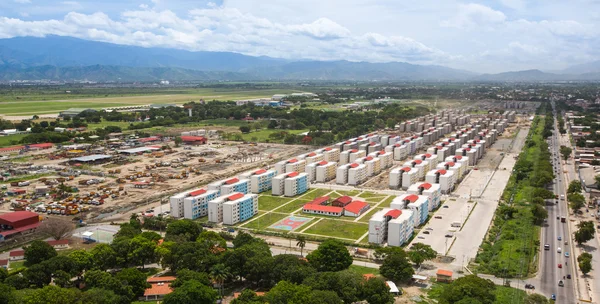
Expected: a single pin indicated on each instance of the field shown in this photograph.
(504, 295)
(36, 103)
(273, 209)
(263, 135)
(11, 140)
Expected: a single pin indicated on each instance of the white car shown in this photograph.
(559, 250)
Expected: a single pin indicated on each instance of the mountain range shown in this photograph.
(67, 58)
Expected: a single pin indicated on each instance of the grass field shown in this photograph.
(263, 135)
(387, 202)
(293, 206)
(35, 104)
(504, 295)
(367, 217)
(311, 195)
(268, 203)
(364, 270)
(265, 221)
(335, 228)
(11, 140)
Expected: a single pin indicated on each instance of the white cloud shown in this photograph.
(22, 1)
(514, 4)
(474, 15)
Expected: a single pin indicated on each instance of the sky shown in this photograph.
(480, 36)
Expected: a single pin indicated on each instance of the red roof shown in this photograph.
(17, 253)
(458, 157)
(3, 262)
(12, 148)
(353, 151)
(193, 138)
(343, 199)
(426, 186)
(427, 155)
(417, 161)
(17, 216)
(406, 169)
(407, 140)
(348, 142)
(451, 164)
(353, 165)
(319, 200)
(197, 192)
(293, 174)
(381, 152)
(59, 242)
(158, 290)
(322, 163)
(261, 171)
(293, 160)
(368, 158)
(373, 143)
(442, 172)
(356, 206)
(20, 229)
(411, 198)
(314, 207)
(394, 213)
(397, 145)
(232, 181)
(439, 147)
(444, 273)
(468, 149)
(327, 149)
(235, 196)
(147, 139)
(311, 154)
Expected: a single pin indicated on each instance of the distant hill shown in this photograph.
(521, 76)
(105, 73)
(586, 68)
(71, 56)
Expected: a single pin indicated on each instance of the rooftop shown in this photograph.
(91, 158)
(235, 196)
(232, 181)
(356, 206)
(315, 207)
(17, 216)
(446, 273)
(197, 192)
(394, 213)
(425, 186)
(411, 198)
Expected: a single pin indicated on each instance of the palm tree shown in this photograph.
(220, 273)
(301, 242)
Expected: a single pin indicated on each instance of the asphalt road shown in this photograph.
(551, 274)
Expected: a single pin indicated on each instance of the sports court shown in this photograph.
(290, 223)
(98, 234)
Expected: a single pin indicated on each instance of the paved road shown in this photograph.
(550, 273)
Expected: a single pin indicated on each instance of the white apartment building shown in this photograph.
(458, 168)
(196, 204)
(419, 204)
(387, 158)
(291, 165)
(176, 203)
(357, 174)
(290, 184)
(403, 177)
(341, 176)
(326, 171)
(445, 178)
(463, 160)
(469, 153)
(356, 154)
(373, 165)
(432, 191)
(260, 180)
(401, 228)
(331, 154)
(313, 157)
(239, 207)
(418, 164)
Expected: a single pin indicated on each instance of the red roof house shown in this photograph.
(16, 255)
(159, 287)
(342, 201)
(356, 208)
(323, 210)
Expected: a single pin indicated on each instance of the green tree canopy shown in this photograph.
(191, 292)
(331, 255)
(420, 252)
(585, 232)
(396, 266)
(37, 252)
(184, 230)
(469, 287)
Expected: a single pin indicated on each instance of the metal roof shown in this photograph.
(138, 150)
(91, 158)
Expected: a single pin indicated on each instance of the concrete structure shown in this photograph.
(400, 229)
(470, 153)
(357, 174)
(331, 154)
(176, 203)
(387, 158)
(341, 175)
(421, 166)
(260, 180)
(18, 222)
(325, 171)
(291, 165)
(356, 208)
(419, 204)
(403, 177)
(195, 205)
(400, 151)
(393, 226)
(313, 157)
(445, 178)
(458, 168)
(463, 160)
(323, 210)
(432, 159)
(432, 191)
(235, 185)
(290, 184)
(233, 208)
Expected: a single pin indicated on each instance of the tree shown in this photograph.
(285, 292)
(7, 294)
(62, 279)
(189, 255)
(211, 239)
(37, 252)
(566, 151)
(577, 201)
(471, 287)
(330, 256)
(103, 257)
(100, 296)
(301, 242)
(184, 275)
(56, 228)
(38, 275)
(245, 129)
(536, 298)
(133, 278)
(585, 232)
(324, 297)
(396, 266)
(178, 141)
(220, 273)
(390, 123)
(248, 296)
(375, 291)
(191, 292)
(141, 251)
(51, 295)
(574, 187)
(420, 252)
(584, 261)
(82, 259)
(242, 239)
(539, 214)
(183, 230)
(17, 281)
(288, 267)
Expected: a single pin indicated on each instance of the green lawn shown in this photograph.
(268, 203)
(17, 264)
(11, 140)
(341, 229)
(367, 217)
(387, 202)
(263, 135)
(349, 193)
(293, 206)
(311, 195)
(364, 270)
(265, 221)
(504, 295)
(104, 123)
(368, 194)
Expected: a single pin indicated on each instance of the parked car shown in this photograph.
(553, 297)
(561, 283)
(566, 254)
(529, 286)
(425, 232)
(559, 265)
(559, 238)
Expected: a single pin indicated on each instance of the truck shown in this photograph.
(456, 224)
(563, 219)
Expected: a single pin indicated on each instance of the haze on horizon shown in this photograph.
(479, 36)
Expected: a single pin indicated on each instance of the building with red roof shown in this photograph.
(4, 264)
(356, 208)
(18, 222)
(16, 255)
(431, 191)
(323, 210)
(159, 287)
(42, 146)
(194, 140)
(323, 200)
(59, 244)
(342, 201)
(13, 149)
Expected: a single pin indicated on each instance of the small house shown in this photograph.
(444, 275)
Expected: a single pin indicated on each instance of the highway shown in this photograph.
(551, 274)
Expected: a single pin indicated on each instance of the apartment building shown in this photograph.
(357, 174)
(331, 154)
(313, 157)
(432, 191)
(431, 159)
(260, 180)
(469, 153)
(387, 158)
(418, 164)
(325, 171)
(419, 204)
(196, 204)
(290, 165)
(235, 185)
(290, 184)
(445, 178)
(401, 228)
(458, 168)
(403, 177)
(176, 203)
(239, 207)
(341, 176)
